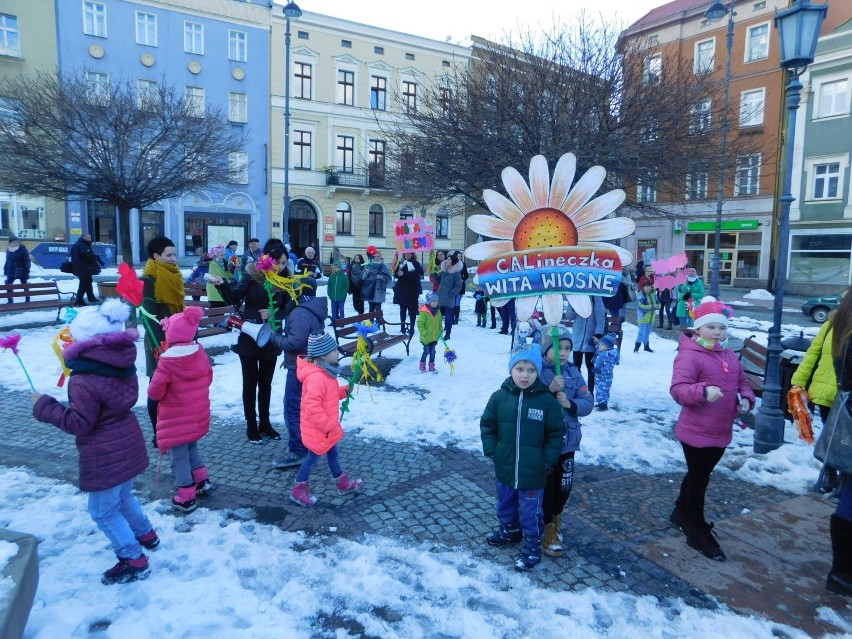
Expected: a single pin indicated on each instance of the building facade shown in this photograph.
(821, 216)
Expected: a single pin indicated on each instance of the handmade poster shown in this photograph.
(550, 240)
(416, 234)
(670, 272)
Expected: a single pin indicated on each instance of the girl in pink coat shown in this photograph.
(709, 383)
(321, 429)
(181, 385)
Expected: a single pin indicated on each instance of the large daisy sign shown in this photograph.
(550, 240)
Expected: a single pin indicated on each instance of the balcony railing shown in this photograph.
(354, 179)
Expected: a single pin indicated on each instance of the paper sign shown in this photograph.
(416, 234)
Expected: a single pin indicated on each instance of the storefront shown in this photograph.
(203, 230)
(739, 249)
(820, 260)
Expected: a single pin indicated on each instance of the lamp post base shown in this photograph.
(768, 428)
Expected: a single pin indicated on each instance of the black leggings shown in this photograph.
(411, 310)
(257, 386)
(557, 490)
(700, 462)
(590, 375)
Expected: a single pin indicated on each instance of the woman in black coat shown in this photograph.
(355, 269)
(18, 263)
(457, 306)
(406, 293)
(86, 264)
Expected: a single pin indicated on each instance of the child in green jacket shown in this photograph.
(338, 289)
(522, 431)
(429, 326)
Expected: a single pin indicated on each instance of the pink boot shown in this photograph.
(203, 485)
(184, 499)
(432, 367)
(346, 484)
(301, 495)
(422, 367)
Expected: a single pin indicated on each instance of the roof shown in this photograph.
(668, 10)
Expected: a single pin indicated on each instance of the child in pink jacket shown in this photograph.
(709, 383)
(181, 385)
(320, 416)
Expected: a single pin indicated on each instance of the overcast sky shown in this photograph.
(458, 19)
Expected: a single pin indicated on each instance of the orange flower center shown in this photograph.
(544, 228)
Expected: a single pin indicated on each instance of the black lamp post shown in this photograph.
(291, 10)
(798, 30)
(716, 12)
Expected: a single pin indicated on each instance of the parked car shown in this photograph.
(819, 307)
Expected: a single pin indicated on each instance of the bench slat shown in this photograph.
(32, 289)
(345, 328)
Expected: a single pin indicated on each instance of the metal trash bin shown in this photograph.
(789, 360)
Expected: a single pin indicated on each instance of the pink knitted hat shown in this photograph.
(182, 327)
(711, 310)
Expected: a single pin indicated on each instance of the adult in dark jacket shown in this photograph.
(355, 270)
(17, 266)
(307, 317)
(253, 252)
(406, 293)
(464, 275)
(616, 305)
(309, 264)
(586, 331)
(451, 283)
(666, 309)
(85, 264)
(258, 363)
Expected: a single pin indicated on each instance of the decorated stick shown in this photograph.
(293, 286)
(10, 342)
(449, 356)
(554, 333)
(361, 362)
(131, 288)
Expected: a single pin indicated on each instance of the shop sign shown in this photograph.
(730, 225)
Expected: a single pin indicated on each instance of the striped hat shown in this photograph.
(320, 344)
(711, 310)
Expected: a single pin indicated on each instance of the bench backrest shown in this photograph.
(754, 353)
(34, 289)
(345, 327)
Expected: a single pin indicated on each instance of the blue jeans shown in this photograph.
(337, 310)
(521, 507)
(428, 351)
(185, 459)
(448, 319)
(119, 516)
(292, 406)
(311, 459)
(644, 333)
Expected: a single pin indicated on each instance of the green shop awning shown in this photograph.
(730, 225)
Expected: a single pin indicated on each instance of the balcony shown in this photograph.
(362, 179)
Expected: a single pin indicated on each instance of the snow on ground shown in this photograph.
(759, 294)
(8, 550)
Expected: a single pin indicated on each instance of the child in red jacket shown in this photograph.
(320, 419)
(181, 385)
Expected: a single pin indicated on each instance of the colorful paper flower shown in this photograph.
(10, 342)
(129, 286)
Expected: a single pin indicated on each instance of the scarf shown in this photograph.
(709, 345)
(168, 284)
(83, 365)
(332, 370)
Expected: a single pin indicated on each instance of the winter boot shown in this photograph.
(252, 432)
(184, 499)
(432, 367)
(505, 535)
(301, 495)
(550, 542)
(150, 540)
(557, 522)
(704, 541)
(839, 580)
(678, 517)
(203, 485)
(422, 367)
(648, 348)
(530, 555)
(457, 311)
(669, 326)
(126, 570)
(602, 406)
(636, 347)
(266, 429)
(345, 484)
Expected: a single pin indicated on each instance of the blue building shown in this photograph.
(215, 52)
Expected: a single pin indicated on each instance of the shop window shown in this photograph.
(748, 264)
(822, 258)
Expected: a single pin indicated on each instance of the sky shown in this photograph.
(439, 19)
(221, 565)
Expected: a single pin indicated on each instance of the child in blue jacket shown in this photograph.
(605, 361)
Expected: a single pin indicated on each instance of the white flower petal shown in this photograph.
(584, 190)
(517, 188)
(552, 308)
(525, 307)
(624, 255)
(487, 250)
(540, 181)
(563, 176)
(500, 302)
(491, 226)
(582, 304)
(611, 229)
(599, 208)
(502, 207)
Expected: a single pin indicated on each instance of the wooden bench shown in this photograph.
(755, 356)
(195, 291)
(214, 315)
(48, 294)
(345, 329)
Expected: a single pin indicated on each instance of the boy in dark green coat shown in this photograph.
(522, 431)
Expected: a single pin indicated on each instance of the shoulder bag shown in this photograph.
(834, 446)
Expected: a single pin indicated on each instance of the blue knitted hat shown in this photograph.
(526, 353)
(609, 339)
(320, 344)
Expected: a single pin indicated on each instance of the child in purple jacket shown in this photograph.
(102, 391)
(706, 382)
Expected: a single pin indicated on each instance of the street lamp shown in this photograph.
(798, 30)
(714, 13)
(291, 10)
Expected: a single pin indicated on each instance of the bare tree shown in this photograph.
(575, 89)
(63, 136)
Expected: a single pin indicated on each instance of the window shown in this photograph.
(193, 38)
(146, 29)
(653, 39)
(409, 96)
(237, 46)
(409, 56)
(10, 36)
(652, 70)
(751, 107)
(696, 183)
(345, 87)
(98, 84)
(94, 19)
(757, 42)
(378, 93)
(445, 63)
(407, 161)
(301, 149)
(238, 167)
(646, 190)
(147, 92)
(344, 218)
(379, 50)
(442, 224)
(194, 98)
(445, 99)
(825, 181)
(303, 35)
(820, 258)
(406, 213)
(699, 118)
(748, 175)
(757, 6)
(345, 157)
(376, 168)
(237, 107)
(650, 130)
(377, 220)
(302, 80)
(705, 52)
(833, 98)
(346, 44)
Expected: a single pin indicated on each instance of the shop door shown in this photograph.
(726, 267)
(303, 226)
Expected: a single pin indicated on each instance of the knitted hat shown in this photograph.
(526, 353)
(432, 296)
(546, 339)
(181, 328)
(711, 310)
(320, 344)
(609, 340)
(109, 317)
(309, 290)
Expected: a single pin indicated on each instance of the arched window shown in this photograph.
(377, 220)
(344, 218)
(406, 213)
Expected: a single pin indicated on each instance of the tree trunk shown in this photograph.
(124, 242)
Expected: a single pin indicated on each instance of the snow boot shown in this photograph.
(839, 580)
(150, 540)
(678, 518)
(432, 367)
(669, 326)
(422, 367)
(345, 484)
(266, 429)
(252, 432)
(505, 535)
(648, 348)
(602, 406)
(550, 542)
(126, 570)
(301, 495)
(704, 541)
(530, 555)
(184, 499)
(203, 485)
(556, 523)
(636, 347)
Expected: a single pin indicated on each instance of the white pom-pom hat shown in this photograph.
(109, 317)
(710, 311)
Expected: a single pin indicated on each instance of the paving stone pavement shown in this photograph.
(445, 497)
